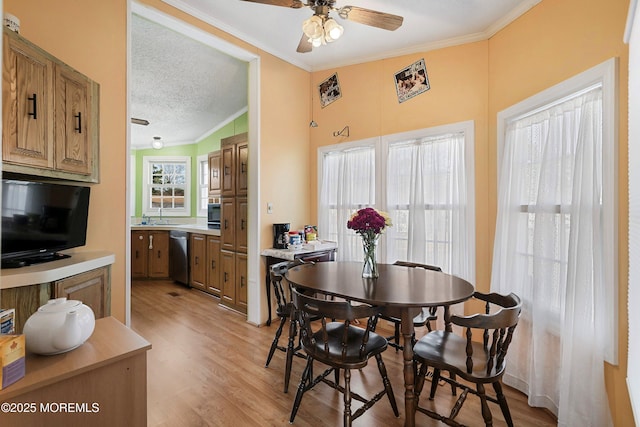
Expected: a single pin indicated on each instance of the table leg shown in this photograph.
(409, 380)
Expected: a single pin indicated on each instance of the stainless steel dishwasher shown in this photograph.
(179, 256)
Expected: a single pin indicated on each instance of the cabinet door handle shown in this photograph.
(242, 224)
(215, 173)
(226, 224)
(243, 167)
(226, 276)
(34, 106)
(197, 259)
(79, 117)
(137, 254)
(159, 254)
(213, 264)
(150, 241)
(242, 281)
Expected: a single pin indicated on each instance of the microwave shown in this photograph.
(213, 216)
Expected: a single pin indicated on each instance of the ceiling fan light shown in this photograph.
(333, 30)
(316, 42)
(312, 27)
(157, 143)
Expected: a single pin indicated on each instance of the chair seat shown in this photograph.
(447, 351)
(353, 359)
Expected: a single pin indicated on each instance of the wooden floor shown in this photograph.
(206, 368)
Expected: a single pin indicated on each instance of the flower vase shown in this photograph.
(370, 267)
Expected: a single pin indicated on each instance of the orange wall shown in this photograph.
(369, 106)
(91, 37)
(552, 42)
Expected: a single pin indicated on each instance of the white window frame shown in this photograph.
(381, 146)
(146, 166)
(203, 184)
(605, 75)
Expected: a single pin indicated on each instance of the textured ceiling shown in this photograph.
(184, 88)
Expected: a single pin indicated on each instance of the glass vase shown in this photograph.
(370, 267)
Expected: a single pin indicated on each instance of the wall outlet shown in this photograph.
(269, 207)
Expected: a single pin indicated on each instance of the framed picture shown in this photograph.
(329, 90)
(412, 81)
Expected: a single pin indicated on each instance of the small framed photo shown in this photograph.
(329, 90)
(412, 81)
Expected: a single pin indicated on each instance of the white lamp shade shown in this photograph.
(312, 27)
(157, 143)
(332, 30)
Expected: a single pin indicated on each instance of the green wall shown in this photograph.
(205, 146)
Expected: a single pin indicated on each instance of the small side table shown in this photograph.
(274, 256)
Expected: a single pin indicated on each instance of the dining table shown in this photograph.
(402, 291)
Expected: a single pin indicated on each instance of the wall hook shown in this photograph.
(343, 132)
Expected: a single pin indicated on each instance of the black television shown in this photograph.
(41, 218)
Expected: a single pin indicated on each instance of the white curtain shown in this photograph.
(548, 250)
(347, 184)
(428, 202)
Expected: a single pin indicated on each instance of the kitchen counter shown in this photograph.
(101, 383)
(189, 228)
(79, 262)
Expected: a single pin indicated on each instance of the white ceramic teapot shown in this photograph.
(59, 326)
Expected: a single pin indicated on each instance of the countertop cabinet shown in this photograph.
(213, 266)
(149, 254)
(198, 261)
(50, 115)
(92, 288)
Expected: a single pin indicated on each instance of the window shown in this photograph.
(555, 243)
(423, 179)
(167, 182)
(203, 185)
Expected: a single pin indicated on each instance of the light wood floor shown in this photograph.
(206, 368)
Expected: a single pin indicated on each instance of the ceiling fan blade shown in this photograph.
(386, 21)
(305, 45)
(296, 4)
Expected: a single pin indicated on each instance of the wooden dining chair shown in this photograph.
(476, 362)
(424, 318)
(340, 345)
(284, 307)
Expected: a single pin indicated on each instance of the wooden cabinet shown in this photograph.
(228, 170)
(213, 266)
(50, 115)
(92, 288)
(228, 276)
(234, 225)
(149, 254)
(228, 223)
(27, 104)
(242, 208)
(235, 165)
(73, 122)
(241, 282)
(242, 168)
(198, 261)
(215, 181)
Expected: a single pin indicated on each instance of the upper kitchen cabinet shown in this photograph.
(214, 173)
(235, 153)
(50, 115)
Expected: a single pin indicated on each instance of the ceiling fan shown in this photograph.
(321, 28)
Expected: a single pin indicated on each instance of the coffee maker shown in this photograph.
(280, 232)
